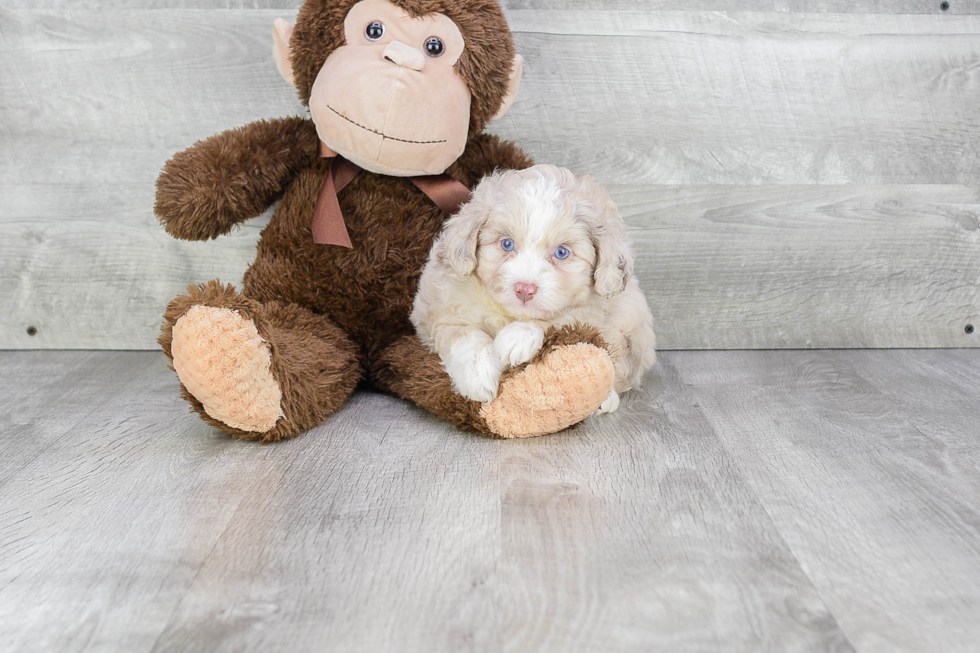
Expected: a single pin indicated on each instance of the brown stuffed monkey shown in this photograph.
(399, 93)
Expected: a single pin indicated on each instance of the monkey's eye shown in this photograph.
(562, 253)
(434, 47)
(375, 30)
(507, 244)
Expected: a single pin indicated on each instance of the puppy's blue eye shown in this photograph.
(507, 244)
(562, 253)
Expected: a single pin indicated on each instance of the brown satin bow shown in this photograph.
(328, 220)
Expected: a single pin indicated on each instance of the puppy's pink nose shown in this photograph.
(525, 291)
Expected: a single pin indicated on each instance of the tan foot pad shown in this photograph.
(564, 388)
(223, 361)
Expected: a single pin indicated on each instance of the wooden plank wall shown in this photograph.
(802, 174)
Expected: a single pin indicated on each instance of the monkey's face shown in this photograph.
(391, 97)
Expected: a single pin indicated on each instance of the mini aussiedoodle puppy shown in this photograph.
(533, 249)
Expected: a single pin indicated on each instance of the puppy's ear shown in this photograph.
(456, 247)
(614, 259)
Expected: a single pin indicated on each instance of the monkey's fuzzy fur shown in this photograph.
(334, 316)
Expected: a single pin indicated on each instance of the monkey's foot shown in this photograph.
(226, 365)
(559, 388)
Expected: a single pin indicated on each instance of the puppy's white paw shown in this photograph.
(475, 370)
(610, 405)
(518, 342)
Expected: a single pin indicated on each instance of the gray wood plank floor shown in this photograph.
(743, 501)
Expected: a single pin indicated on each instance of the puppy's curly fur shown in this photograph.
(534, 249)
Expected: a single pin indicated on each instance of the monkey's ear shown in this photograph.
(513, 86)
(282, 31)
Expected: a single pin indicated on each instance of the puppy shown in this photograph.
(533, 249)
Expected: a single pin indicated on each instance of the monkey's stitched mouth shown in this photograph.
(375, 131)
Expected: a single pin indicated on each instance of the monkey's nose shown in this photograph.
(525, 291)
(404, 55)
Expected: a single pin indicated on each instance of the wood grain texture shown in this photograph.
(76, 383)
(958, 7)
(358, 544)
(800, 175)
(723, 267)
(748, 98)
(808, 267)
(89, 519)
(141, 529)
(743, 501)
(632, 533)
(868, 465)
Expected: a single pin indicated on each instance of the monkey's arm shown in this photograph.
(233, 176)
(484, 154)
